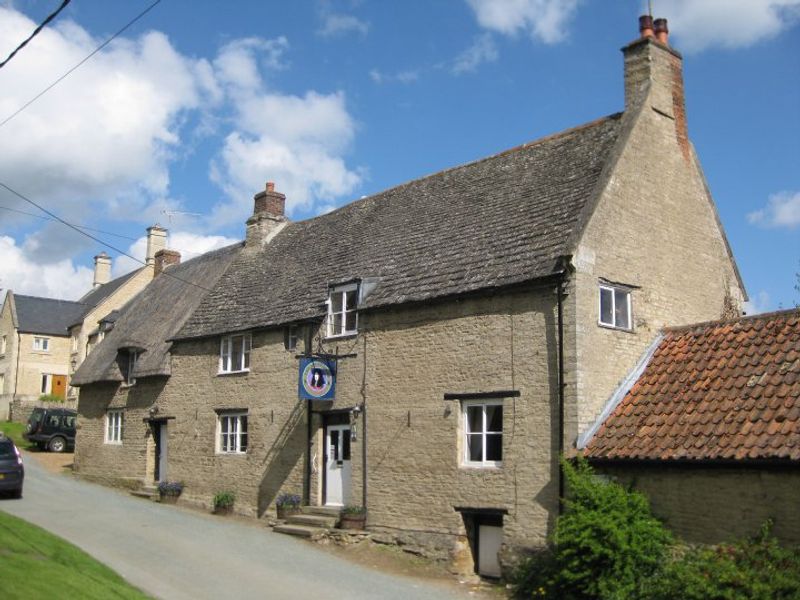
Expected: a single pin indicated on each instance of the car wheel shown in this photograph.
(57, 444)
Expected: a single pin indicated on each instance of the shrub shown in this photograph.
(758, 568)
(352, 509)
(51, 398)
(224, 499)
(606, 544)
(288, 500)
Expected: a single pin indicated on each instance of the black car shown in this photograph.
(12, 473)
(52, 428)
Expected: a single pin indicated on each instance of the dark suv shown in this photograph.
(52, 428)
(12, 473)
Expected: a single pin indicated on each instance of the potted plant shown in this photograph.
(353, 517)
(169, 491)
(287, 505)
(223, 502)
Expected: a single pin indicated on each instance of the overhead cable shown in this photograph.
(36, 31)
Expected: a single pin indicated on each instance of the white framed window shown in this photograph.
(47, 383)
(41, 344)
(3, 345)
(114, 421)
(483, 433)
(234, 353)
(615, 307)
(2, 383)
(74, 343)
(232, 433)
(342, 315)
(130, 363)
(290, 337)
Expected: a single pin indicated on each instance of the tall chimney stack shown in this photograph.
(268, 216)
(102, 270)
(156, 240)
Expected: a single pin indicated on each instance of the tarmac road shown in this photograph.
(175, 553)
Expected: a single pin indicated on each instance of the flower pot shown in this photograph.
(287, 510)
(223, 510)
(168, 499)
(352, 521)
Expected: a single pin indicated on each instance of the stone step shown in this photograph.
(323, 522)
(322, 511)
(298, 530)
(148, 493)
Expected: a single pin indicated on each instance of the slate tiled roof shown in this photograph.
(150, 318)
(722, 390)
(46, 315)
(96, 296)
(502, 220)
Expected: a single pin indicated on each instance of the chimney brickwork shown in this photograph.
(102, 270)
(268, 216)
(652, 67)
(165, 258)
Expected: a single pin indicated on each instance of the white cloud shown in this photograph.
(237, 66)
(59, 279)
(409, 76)
(700, 24)
(188, 244)
(759, 304)
(113, 123)
(340, 24)
(782, 210)
(482, 50)
(543, 20)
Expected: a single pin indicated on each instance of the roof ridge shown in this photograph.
(16, 295)
(719, 322)
(517, 148)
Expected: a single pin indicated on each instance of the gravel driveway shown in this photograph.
(175, 553)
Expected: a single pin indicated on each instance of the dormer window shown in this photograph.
(234, 353)
(342, 315)
(615, 307)
(128, 365)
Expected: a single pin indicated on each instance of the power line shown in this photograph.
(22, 212)
(36, 31)
(96, 239)
(65, 75)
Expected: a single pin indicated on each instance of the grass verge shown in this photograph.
(37, 564)
(14, 431)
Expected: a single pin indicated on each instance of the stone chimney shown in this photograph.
(156, 240)
(166, 258)
(268, 216)
(102, 270)
(655, 69)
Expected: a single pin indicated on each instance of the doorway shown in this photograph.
(159, 429)
(337, 465)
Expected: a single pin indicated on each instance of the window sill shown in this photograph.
(615, 328)
(113, 443)
(231, 453)
(224, 373)
(342, 336)
(491, 466)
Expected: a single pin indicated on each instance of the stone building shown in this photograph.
(430, 351)
(708, 426)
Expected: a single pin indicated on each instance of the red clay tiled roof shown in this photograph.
(719, 390)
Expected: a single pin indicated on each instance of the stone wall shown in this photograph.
(21, 407)
(712, 505)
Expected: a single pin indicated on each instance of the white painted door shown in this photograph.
(162, 454)
(337, 465)
(489, 539)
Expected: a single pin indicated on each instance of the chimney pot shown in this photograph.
(269, 201)
(270, 186)
(646, 26)
(662, 31)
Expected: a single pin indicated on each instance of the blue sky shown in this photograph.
(186, 115)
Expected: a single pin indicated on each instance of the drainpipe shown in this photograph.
(16, 373)
(364, 428)
(561, 384)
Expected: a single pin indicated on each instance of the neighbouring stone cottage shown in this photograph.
(429, 351)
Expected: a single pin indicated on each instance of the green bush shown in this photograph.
(51, 398)
(606, 544)
(224, 499)
(753, 569)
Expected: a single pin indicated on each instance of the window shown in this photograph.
(47, 382)
(114, 419)
(2, 383)
(342, 316)
(127, 365)
(3, 345)
(232, 433)
(615, 307)
(483, 433)
(234, 354)
(74, 343)
(290, 335)
(41, 344)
